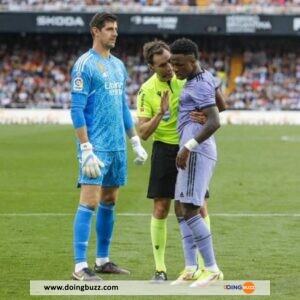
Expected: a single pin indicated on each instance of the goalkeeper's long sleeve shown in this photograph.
(77, 107)
(127, 118)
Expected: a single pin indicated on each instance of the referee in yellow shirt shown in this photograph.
(157, 110)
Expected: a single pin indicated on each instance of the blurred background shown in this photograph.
(252, 46)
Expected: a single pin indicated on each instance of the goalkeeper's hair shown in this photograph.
(99, 20)
(152, 48)
(185, 46)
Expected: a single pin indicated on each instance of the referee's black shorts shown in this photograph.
(163, 171)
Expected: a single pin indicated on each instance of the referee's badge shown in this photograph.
(142, 101)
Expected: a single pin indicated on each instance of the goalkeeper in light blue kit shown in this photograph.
(100, 117)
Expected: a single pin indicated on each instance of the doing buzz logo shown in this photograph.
(247, 287)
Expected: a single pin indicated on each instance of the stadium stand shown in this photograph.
(256, 73)
(35, 71)
(178, 6)
(269, 81)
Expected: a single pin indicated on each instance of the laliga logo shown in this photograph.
(248, 287)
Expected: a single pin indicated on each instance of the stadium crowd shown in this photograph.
(151, 2)
(35, 72)
(190, 6)
(270, 81)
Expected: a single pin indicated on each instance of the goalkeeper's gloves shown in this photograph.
(141, 154)
(90, 163)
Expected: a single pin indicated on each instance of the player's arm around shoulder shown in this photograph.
(200, 117)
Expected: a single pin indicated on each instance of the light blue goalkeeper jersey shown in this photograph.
(98, 86)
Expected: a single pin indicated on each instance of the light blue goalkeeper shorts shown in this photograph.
(114, 172)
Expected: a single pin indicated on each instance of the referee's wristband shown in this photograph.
(191, 144)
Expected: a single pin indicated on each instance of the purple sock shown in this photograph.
(203, 240)
(188, 244)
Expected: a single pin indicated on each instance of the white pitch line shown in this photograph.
(254, 215)
(229, 215)
(290, 138)
(35, 214)
(222, 215)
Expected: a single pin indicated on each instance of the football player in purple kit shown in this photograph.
(197, 156)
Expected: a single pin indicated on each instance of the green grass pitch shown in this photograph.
(257, 173)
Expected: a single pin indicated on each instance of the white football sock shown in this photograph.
(101, 260)
(214, 268)
(80, 266)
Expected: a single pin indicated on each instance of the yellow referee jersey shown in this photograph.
(148, 105)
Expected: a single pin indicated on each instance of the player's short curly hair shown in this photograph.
(152, 48)
(185, 46)
(99, 20)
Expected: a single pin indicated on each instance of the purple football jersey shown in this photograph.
(198, 93)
